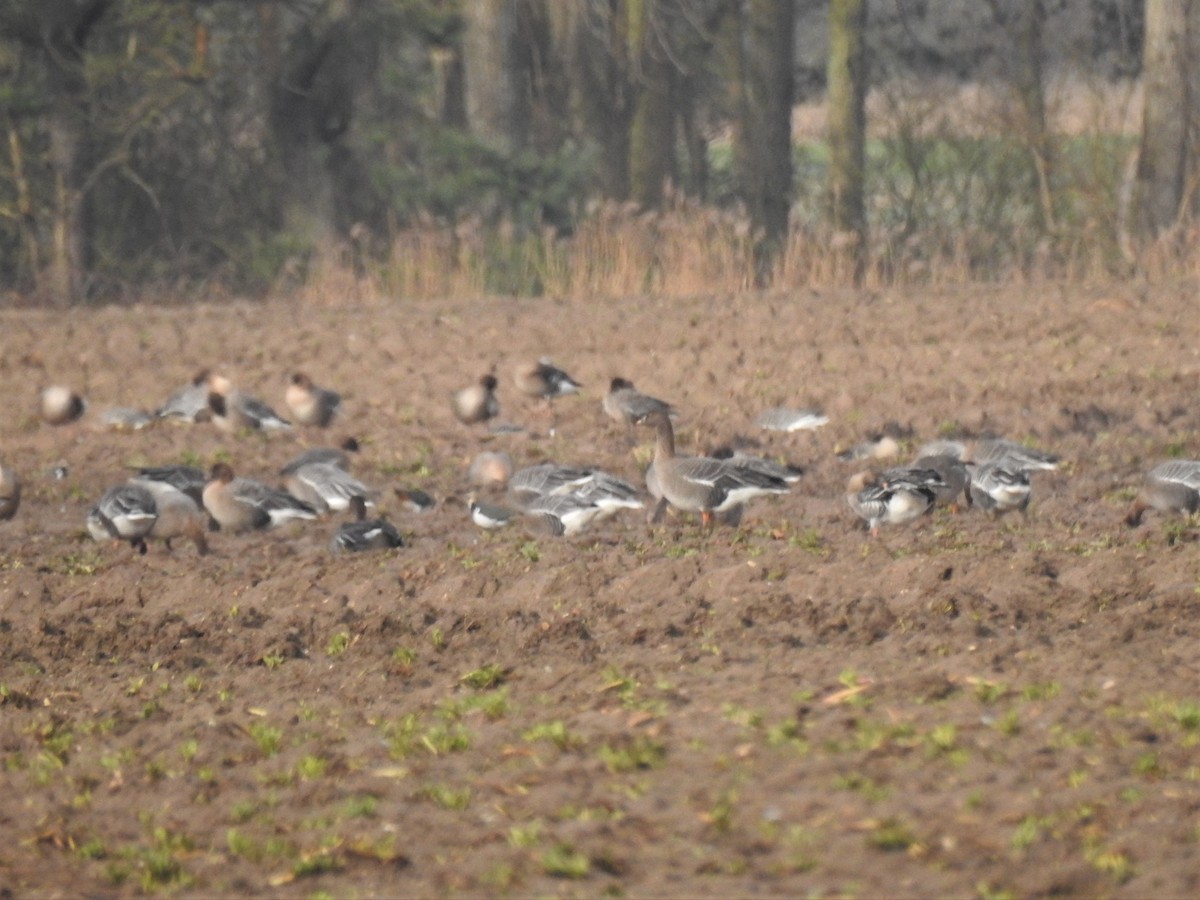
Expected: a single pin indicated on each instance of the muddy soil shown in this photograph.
(783, 707)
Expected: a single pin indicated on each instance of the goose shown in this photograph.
(699, 483)
(126, 512)
(190, 402)
(325, 486)
(788, 420)
(1172, 486)
(956, 478)
(1003, 452)
(187, 479)
(59, 405)
(892, 497)
(233, 411)
(10, 493)
(338, 456)
(490, 515)
(476, 402)
(242, 504)
(562, 514)
(544, 380)
(997, 489)
(310, 404)
(364, 534)
(180, 514)
(624, 403)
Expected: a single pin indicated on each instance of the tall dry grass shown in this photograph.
(952, 200)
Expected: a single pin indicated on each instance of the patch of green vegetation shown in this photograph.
(339, 643)
(446, 797)
(564, 861)
(891, 835)
(640, 752)
(555, 732)
(486, 677)
(861, 784)
(268, 738)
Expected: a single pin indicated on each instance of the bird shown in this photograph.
(364, 534)
(10, 493)
(325, 486)
(125, 418)
(489, 515)
(59, 405)
(187, 479)
(476, 402)
(608, 492)
(528, 484)
(1171, 486)
(414, 499)
(243, 504)
(310, 404)
(997, 489)
(232, 410)
(490, 468)
(699, 483)
(190, 402)
(783, 419)
(126, 512)
(338, 456)
(893, 497)
(1006, 453)
(955, 475)
(624, 403)
(788, 472)
(180, 514)
(544, 380)
(562, 514)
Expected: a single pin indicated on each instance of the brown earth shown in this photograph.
(782, 708)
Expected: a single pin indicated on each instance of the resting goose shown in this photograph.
(624, 403)
(699, 483)
(10, 493)
(997, 489)
(544, 380)
(310, 404)
(59, 405)
(892, 497)
(476, 402)
(325, 486)
(364, 534)
(242, 504)
(563, 514)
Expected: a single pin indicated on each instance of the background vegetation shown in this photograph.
(170, 148)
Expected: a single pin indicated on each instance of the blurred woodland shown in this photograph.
(177, 148)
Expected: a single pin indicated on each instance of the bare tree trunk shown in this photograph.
(1168, 152)
(1031, 89)
(65, 28)
(652, 133)
(311, 105)
(847, 77)
(598, 62)
(763, 132)
(497, 104)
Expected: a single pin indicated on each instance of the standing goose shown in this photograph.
(1172, 486)
(699, 483)
(310, 404)
(242, 504)
(180, 515)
